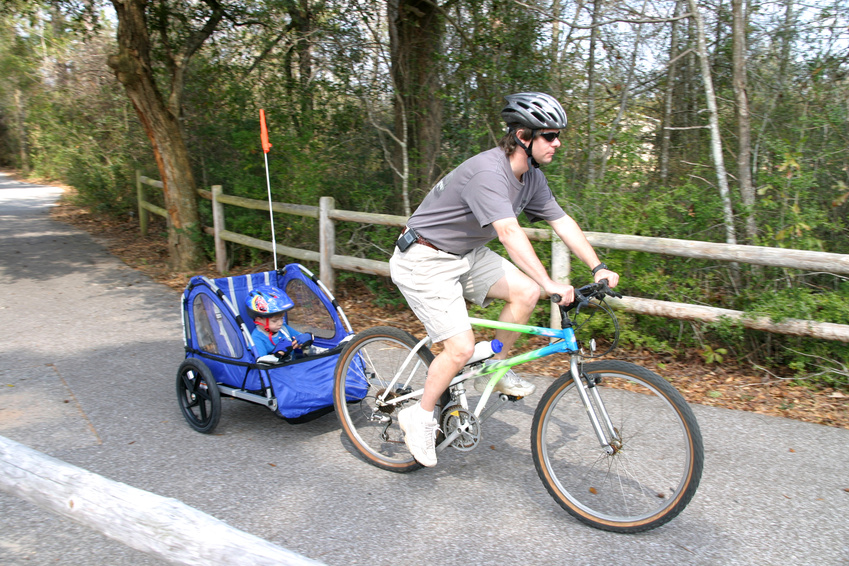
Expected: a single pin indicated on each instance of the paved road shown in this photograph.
(88, 359)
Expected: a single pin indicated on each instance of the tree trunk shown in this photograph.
(671, 76)
(160, 119)
(303, 17)
(591, 171)
(715, 137)
(744, 141)
(623, 101)
(20, 124)
(416, 30)
(786, 35)
(555, 33)
(690, 141)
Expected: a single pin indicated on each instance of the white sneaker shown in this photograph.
(510, 384)
(420, 429)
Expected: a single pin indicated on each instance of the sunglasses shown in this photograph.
(550, 136)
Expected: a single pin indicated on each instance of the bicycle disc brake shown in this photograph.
(456, 418)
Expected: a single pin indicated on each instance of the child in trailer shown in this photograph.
(266, 305)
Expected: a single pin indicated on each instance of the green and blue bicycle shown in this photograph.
(614, 443)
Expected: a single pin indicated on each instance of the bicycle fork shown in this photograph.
(590, 397)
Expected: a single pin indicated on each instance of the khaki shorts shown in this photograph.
(437, 285)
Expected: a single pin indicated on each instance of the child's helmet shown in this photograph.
(267, 300)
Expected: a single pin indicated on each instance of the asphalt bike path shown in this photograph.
(88, 360)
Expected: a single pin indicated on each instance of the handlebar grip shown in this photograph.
(555, 298)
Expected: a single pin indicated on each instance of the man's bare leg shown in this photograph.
(521, 294)
(456, 351)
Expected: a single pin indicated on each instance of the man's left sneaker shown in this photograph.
(510, 384)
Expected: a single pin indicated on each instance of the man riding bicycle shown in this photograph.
(441, 259)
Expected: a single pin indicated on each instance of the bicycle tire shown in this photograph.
(654, 473)
(363, 371)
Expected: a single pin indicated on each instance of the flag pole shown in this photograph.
(265, 149)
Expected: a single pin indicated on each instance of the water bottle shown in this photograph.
(484, 350)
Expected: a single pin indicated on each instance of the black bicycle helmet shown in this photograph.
(535, 110)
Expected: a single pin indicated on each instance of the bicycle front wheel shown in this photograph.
(364, 385)
(657, 451)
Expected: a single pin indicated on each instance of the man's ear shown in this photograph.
(524, 134)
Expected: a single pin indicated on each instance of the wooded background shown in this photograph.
(714, 121)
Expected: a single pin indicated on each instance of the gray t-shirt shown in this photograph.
(458, 212)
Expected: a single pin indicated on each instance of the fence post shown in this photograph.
(218, 226)
(140, 198)
(560, 266)
(327, 242)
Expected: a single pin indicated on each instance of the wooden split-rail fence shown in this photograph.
(329, 261)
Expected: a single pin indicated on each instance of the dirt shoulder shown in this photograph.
(731, 385)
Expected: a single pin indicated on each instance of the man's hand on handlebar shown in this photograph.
(582, 295)
(611, 276)
(566, 293)
(605, 289)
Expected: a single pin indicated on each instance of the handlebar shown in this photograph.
(584, 294)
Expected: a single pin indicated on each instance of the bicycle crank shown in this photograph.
(461, 428)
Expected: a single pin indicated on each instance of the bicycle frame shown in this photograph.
(565, 343)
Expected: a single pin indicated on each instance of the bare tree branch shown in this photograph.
(552, 17)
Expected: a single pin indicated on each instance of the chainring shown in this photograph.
(455, 417)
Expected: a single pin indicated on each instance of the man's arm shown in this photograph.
(522, 253)
(572, 235)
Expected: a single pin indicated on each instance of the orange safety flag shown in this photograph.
(263, 132)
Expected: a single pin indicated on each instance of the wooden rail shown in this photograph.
(326, 214)
(163, 527)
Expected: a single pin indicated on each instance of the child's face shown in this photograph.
(275, 323)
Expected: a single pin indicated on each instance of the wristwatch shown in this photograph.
(599, 267)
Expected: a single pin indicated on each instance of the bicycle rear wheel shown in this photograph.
(658, 458)
(364, 371)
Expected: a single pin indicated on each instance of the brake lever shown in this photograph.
(581, 303)
(607, 290)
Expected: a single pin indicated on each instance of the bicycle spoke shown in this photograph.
(653, 471)
(368, 397)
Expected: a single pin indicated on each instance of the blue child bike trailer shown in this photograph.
(221, 358)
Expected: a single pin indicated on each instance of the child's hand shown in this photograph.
(283, 347)
(303, 339)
